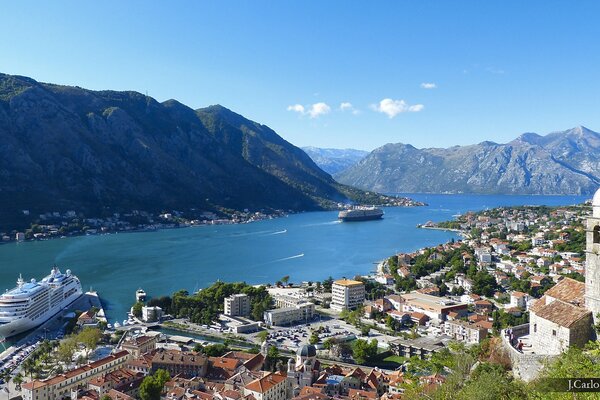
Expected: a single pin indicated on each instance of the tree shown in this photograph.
(18, 380)
(314, 338)
(271, 358)
(363, 350)
(262, 336)
(153, 385)
(89, 337)
(215, 350)
(136, 310)
(285, 279)
(364, 330)
(198, 348)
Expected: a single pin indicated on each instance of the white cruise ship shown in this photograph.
(33, 303)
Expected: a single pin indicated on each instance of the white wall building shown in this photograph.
(347, 294)
(237, 305)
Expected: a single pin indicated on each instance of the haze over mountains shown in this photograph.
(65, 147)
(334, 161)
(566, 162)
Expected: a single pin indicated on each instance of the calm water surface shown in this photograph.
(308, 246)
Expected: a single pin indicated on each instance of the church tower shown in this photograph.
(592, 256)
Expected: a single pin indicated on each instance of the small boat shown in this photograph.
(140, 295)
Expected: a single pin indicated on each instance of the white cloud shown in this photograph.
(299, 108)
(428, 85)
(318, 109)
(392, 107)
(346, 106)
(313, 111)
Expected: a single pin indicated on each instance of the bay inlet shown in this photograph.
(307, 246)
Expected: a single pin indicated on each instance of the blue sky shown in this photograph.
(495, 69)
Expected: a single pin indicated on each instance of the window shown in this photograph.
(535, 327)
(596, 238)
(553, 332)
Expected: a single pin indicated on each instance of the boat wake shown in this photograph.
(277, 233)
(335, 222)
(290, 258)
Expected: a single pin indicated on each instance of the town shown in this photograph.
(60, 224)
(513, 285)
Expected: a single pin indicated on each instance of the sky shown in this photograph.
(341, 74)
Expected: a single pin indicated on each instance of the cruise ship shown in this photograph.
(30, 304)
(361, 214)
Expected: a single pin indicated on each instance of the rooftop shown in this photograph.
(568, 290)
(347, 282)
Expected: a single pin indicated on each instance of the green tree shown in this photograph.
(89, 337)
(363, 351)
(314, 338)
(152, 386)
(262, 336)
(215, 350)
(136, 310)
(18, 380)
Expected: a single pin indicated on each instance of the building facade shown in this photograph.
(565, 315)
(237, 305)
(465, 332)
(300, 312)
(347, 294)
(592, 257)
(62, 385)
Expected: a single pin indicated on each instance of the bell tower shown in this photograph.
(592, 256)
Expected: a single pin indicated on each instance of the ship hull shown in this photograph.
(361, 218)
(17, 326)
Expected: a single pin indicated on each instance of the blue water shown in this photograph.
(308, 246)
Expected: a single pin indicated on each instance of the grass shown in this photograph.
(395, 359)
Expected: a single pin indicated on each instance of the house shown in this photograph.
(519, 299)
(560, 319)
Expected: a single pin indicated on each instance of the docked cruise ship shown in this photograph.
(32, 303)
(361, 214)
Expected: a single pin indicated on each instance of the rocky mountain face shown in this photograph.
(334, 161)
(566, 162)
(67, 148)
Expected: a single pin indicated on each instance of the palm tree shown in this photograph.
(18, 380)
(6, 377)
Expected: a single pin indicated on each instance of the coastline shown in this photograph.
(154, 227)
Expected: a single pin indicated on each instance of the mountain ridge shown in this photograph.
(561, 162)
(69, 148)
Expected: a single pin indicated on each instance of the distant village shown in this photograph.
(55, 224)
(516, 276)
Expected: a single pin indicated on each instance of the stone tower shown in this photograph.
(592, 256)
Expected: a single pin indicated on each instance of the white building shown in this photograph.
(465, 332)
(151, 314)
(237, 305)
(301, 312)
(519, 299)
(273, 386)
(347, 294)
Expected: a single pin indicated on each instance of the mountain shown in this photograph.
(68, 148)
(566, 162)
(334, 161)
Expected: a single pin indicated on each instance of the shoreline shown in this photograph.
(159, 227)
